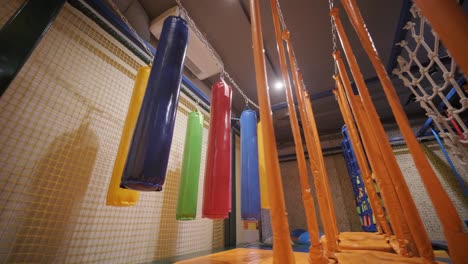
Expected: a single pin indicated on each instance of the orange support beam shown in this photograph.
(282, 250)
(318, 168)
(361, 157)
(317, 147)
(316, 246)
(382, 176)
(450, 22)
(315, 253)
(407, 235)
(410, 211)
(453, 230)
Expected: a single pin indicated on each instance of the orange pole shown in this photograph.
(382, 176)
(282, 250)
(456, 238)
(300, 98)
(315, 254)
(410, 211)
(317, 164)
(317, 147)
(450, 22)
(408, 243)
(361, 157)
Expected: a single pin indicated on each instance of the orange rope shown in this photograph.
(282, 250)
(456, 238)
(361, 157)
(315, 252)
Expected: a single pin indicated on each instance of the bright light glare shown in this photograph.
(279, 85)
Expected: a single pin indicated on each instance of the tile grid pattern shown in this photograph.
(60, 125)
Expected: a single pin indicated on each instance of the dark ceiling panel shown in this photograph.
(226, 25)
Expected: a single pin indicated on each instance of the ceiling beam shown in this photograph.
(323, 94)
(400, 34)
(246, 12)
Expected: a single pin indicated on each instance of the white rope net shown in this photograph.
(428, 70)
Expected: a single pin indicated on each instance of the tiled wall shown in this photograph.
(60, 125)
(343, 196)
(341, 189)
(9, 7)
(420, 196)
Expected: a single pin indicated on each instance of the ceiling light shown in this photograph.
(279, 85)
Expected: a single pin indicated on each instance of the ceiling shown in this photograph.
(226, 25)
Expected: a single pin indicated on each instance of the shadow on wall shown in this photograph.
(340, 186)
(445, 171)
(56, 192)
(168, 229)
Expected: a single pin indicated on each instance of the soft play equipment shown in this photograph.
(217, 191)
(250, 189)
(117, 196)
(304, 238)
(188, 189)
(296, 233)
(372, 188)
(264, 201)
(363, 207)
(443, 206)
(283, 252)
(379, 151)
(316, 254)
(148, 157)
(407, 236)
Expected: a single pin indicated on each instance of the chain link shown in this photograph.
(213, 54)
(333, 30)
(246, 99)
(184, 14)
(280, 14)
(135, 34)
(198, 33)
(284, 28)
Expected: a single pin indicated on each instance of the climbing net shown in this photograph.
(428, 70)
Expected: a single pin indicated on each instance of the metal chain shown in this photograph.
(213, 54)
(280, 14)
(333, 30)
(283, 28)
(198, 33)
(135, 34)
(246, 99)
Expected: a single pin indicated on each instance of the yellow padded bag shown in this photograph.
(117, 196)
(265, 203)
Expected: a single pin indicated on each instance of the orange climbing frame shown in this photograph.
(456, 238)
(361, 157)
(320, 186)
(282, 250)
(318, 168)
(375, 158)
(315, 253)
(410, 212)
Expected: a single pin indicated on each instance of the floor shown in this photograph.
(248, 255)
(256, 253)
